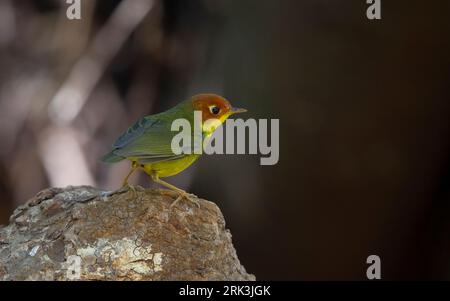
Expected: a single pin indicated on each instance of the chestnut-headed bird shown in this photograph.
(148, 143)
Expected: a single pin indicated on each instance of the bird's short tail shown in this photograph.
(111, 158)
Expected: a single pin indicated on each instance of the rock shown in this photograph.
(82, 233)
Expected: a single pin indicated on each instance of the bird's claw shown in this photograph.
(121, 190)
(128, 188)
(187, 196)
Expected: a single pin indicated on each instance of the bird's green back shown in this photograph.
(150, 138)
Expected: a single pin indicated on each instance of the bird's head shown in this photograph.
(214, 106)
(215, 110)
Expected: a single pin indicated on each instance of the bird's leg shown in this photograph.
(181, 193)
(125, 184)
(134, 166)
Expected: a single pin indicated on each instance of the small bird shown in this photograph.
(147, 143)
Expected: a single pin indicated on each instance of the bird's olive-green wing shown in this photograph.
(149, 140)
(148, 137)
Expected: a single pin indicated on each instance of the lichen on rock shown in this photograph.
(82, 233)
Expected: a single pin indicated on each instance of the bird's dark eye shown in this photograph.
(215, 110)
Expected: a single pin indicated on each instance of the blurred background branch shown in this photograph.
(60, 148)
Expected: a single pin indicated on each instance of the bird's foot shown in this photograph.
(121, 190)
(132, 189)
(182, 195)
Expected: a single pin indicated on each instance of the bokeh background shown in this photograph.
(363, 106)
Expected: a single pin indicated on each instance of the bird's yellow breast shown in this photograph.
(170, 167)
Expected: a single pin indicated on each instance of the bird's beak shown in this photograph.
(237, 110)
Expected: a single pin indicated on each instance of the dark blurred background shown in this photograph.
(363, 106)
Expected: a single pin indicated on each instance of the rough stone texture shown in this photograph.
(81, 233)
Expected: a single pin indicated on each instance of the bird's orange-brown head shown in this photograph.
(215, 110)
(214, 106)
